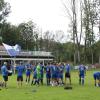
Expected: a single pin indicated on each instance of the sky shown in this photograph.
(47, 14)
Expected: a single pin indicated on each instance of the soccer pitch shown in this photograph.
(28, 92)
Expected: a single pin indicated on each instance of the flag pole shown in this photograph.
(14, 64)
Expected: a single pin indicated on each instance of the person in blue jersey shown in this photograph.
(67, 73)
(60, 75)
(28, 72)
(48, 73)
(54, 74)
(57, 74)
(20, 68)
(96, 76)
(4, 71)
(82, 73)
(34, 79)
(42, 72)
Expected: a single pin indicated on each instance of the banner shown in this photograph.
(12, 50)
(17, 48)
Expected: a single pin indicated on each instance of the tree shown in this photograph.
(48, 39)
(89, 22)
(97, 10)
(26, 33)
(9, 35)
(72, 11)
(4, 11)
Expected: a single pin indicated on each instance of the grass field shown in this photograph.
(86, 92)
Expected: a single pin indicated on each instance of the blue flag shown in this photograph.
(12, 50)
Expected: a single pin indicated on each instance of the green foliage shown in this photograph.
(26, 34)
(9, 35)
(4, 10)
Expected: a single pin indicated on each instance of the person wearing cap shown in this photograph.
(5, 73)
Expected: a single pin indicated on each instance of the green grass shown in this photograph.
(86, 92)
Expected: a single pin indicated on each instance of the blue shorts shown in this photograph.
(35, 76)
(54, 76)
(60, 76)
(96, 77)
(48, 75)
(81, 75)
(28, 73)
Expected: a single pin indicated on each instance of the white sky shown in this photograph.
(47, 14)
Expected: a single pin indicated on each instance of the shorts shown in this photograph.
(81, 76)
(28, 73)
(67, 75)
(35, 76)
(96, 77)
(5, 78)
(19, 78)
(54, 76)
(48, 75)
(60, 76)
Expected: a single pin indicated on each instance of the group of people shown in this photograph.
(55, 73)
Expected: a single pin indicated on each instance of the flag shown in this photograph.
(17, 48)
(11, 50)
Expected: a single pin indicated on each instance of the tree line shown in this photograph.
(84, 33)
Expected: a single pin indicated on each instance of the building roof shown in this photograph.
(3, 52)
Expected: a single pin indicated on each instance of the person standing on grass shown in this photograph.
(20, 70)
(41, 72)
(38, 69)
(4, 73)
(82, 73)
(28, 73)
(54, 74)
(34, 79)
(61, 70)
(96, 76)
(48, 74)
(67, 74)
